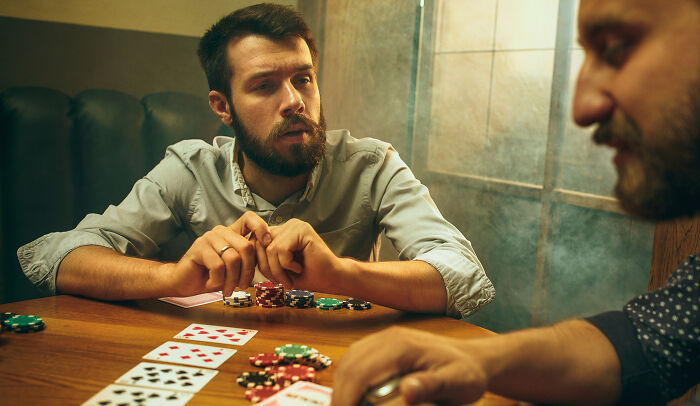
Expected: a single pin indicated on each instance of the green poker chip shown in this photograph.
(295, 351)
(23, 321)
(20, 323)
(329, 303)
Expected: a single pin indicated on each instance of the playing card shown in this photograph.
(216, 334)
(132, 395)
(190, 354)
(300, 394)
(192, 301)
(166, 376)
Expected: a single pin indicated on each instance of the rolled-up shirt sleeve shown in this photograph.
(413, 223)
(151, 214)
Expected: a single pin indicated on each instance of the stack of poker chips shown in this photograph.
(22, 323)
(356, 304)
(288, 364)
(302, 354)
(292, 354)
(238, 298)
(268, 294)
(300, 299)
(329, 303)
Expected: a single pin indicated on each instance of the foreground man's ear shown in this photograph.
(219, 105)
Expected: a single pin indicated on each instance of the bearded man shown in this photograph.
(302, 205)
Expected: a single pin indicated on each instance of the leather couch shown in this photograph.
(62, 157)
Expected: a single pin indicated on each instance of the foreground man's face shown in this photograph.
(640, 81)
(273, 80)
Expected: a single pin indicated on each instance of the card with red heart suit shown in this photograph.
(198, 355)
(216, 334)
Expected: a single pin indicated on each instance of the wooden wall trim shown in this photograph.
(674, 241)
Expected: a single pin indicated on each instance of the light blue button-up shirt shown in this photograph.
(360, 189)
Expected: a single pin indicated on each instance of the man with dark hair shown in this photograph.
(640, 81)
(302, 205)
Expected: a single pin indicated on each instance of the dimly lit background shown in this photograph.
(475, 95)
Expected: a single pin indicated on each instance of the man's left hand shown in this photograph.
(298, 257)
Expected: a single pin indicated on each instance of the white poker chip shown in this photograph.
(239, 295)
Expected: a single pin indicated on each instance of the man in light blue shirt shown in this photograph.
(302, 205)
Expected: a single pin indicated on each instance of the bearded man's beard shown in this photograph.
(302, 158)
(661, 180)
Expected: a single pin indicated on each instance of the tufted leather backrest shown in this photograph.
(62, 157)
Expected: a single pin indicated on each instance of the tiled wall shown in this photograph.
(494, 112)
(491, 88)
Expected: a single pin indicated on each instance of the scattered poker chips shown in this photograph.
(293, 352)
(261, 393)
(265, 359)
(239, 298)
(20, 323)
(269, 294)
(329, 303)
(255, 379)
(289, 364)
(356, 304)
(288, 374)
(300, 299)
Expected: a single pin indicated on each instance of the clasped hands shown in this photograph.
(225, 257)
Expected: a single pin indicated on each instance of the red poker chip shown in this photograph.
(265, 359)
(288, 374)
(267, 285)
(261, 392)
(274, 369)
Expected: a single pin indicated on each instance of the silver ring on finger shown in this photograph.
(223, 249)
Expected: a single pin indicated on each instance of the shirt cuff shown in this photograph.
(41, 258)
(467, 286)
(639, 385)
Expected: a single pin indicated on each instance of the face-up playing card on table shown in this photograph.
(300, 394)
(136, 396)
(216, 334)
(198, 355)
(167, 376)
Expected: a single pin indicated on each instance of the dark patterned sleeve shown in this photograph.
(657, 338)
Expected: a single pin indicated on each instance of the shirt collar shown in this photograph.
(240, 187)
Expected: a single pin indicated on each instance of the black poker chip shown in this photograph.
(255, 379)
(357, 304)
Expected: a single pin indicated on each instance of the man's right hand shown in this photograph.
(208, 265)
(433, 368)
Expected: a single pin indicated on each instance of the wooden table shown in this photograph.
(88, 344)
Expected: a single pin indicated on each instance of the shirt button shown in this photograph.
(279, 219)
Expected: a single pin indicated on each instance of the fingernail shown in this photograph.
(267, 239)
(414, 387)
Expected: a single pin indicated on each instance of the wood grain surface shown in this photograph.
(88, 344)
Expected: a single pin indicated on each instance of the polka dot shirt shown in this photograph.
(657, 337)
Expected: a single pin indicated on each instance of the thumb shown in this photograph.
(447, 384)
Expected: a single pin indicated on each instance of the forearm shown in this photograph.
(103, 273)
(569, 363)
(405, 285)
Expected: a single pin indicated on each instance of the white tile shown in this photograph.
(459, 112)
(519, 116)
(466, 25)
(526, 24)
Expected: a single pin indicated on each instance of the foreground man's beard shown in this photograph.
(662, 179)
(304, 157)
